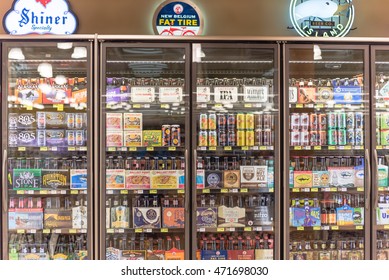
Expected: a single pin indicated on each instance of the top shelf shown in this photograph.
(146, 61)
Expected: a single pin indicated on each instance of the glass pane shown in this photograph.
(381, 184)
(145, 109)
(235, 118)
(328, 109)
(47, 100)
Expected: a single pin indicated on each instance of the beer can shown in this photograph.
(231, 138)
(322, 121)
(378, 136)
(304, 121)
(222, 138)
(331, 120)
(342, 137)
(295, 138)
(203, 138)
(268, 121)
(70, 120)
(212, 121)
(241, 136)
(342, 120)
(221, 122)
(304, 138)
(212, 138)
(203, 121)
(258, 136)
(295, 121)
(79, 120)
(176, 135)
(41, 119)
(313, 121)
(41, 135)
(79, 137)
(350, 120)
(268, 137)
(250, 137)
(314, 138)
(350, 137)
(332, 137)
(359, 122)
(359, 137)
(240, 121)
(231, 121)
(71, 137)
(249, 121)
(322, 137)
(166, 135)
(258, 121)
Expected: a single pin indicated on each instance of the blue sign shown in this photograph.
(177, 18)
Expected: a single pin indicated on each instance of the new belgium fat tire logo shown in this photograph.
(322, 18)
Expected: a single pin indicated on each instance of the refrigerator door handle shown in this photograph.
(375, 188)
(186, 197)
(368, 189)
(194, 204)
(5, 186)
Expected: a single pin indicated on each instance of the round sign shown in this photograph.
(177, 18)
(322, 18)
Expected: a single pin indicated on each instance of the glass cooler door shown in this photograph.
(235, 152)
(47, 190)
(327, 158)
(144, 151)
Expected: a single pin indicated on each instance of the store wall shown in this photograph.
(221, 17)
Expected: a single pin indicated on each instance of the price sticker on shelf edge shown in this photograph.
(360, 189)
(164, 230)
(46, 230)
(297, 148)
(335, 227)
(43, 149)
(59, 107)
(19, 192)
(74, 192)
(299, 105)
(316, 228)
(153, 191)
(124, 192)
(245, 148)
(111, 149)
(181, 191)
(248, 105)
(201, 229)
(150, 149)
(137, 230)
(247, 229)
(244, 190)
(21, 231)
(220, 229)
(386, 226)
(300, 228)
(21, 149)
(172, 149)
(136, 106)
(263, 148)
(317, 147)
(148, 230)
(72, 230)
(358, 227)
(206, 190)
(314, 190)
(43, 192)
(133, 149)
(295, 190)
(212, 148)
(224, 190)
(110, 230)
(71, 148)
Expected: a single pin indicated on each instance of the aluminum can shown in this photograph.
(314, 138)
(350, 120)
(250, 141)
(322, 121)
(304, 121)
(314, 121)
(331, 120)
(241, 136)
(79, 120)
(231, 138)
(249, 121)
(70, 120)
(258, 121)
(342, 137)
(41, 135)
(166, 135)
(231, 121)
(203, 121)
(350, 137)
(176, 135)
(359, 122)
(203, 138)
(295, 138)
(71, 137)
(322, 137)
(222, 138)
(295, 121)
(80, 140)
(304, 138)
(332, 137)
(41, 120)
(267, 137)
(212, 121)
(342, 123)
(221, 122)
(268, 121)
(359, 141)
(212, 138)
(258, 136)
(240, 121)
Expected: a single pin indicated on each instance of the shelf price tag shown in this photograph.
(231, 229)
(164, 230)
(206, 190)
(43, 149)
(245, 148)
(21, 231)
(138, 230)
(74, 192)
(316, 228)
(338, 105)
(295, 190)
(59, 107)
(271, 190)
(212, 148)
(224, 191)
(148, 230)
(218, 105)
(181, 191)
(124, 192)
(247, 229)
(360, 189)
(379, 147)
(314, 190)
(111, 149)
(153, 191)
(297, 148)
(317, 148)
(71, 148)
(110, 230)
(21, 149)
(132, 149)
(46, 230)
(358, 227)
(220, 229)
(150, 149)
(300, 228)
(333, 189)
(43, 192)
(331, 147)
(299, 105)
(381, 189)
(72, 231)
(136, 106)
(165, 106)
(244, 190)
(347, 147)
(386, 226)
(262, 148)
(335, 227)
(319, 105)
(248, 105)
(227, 148)
(172, 149)
(201, 229)
(19, 192)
